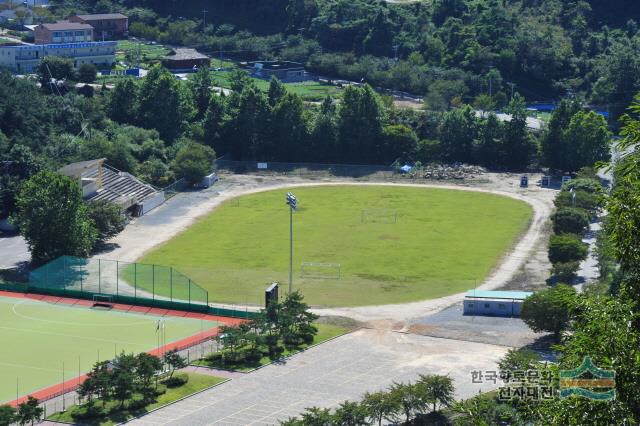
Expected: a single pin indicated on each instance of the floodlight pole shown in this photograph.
(293, 205)
(290, 249)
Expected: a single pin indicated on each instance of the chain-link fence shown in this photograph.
(127, 282)
(301, 169)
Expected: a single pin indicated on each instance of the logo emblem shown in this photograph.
(589, 381)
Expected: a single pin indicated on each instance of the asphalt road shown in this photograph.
(13, 250)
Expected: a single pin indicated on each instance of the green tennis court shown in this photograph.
(39, 337)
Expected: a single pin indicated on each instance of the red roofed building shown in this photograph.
(63, 32)
(106, 26)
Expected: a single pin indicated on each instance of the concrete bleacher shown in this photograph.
(100, 182)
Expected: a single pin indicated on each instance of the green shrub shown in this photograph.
(565, 271)
(592, 186)
(570, 221)
(176, 381)
(583, 199)
(566, 248)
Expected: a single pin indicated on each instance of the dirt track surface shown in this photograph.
(180, 212)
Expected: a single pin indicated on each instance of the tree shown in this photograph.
(200, 86)
(146, 368)
(518, 144)
(30, 411)
(53, 218)
(123, 377)
(213, 124)
(122, 102)
(193, 162)
(409, 398)
(107, 218)
(324, 136)
(589, 137)
(350, 414)
(247, 129)
(566, 248)
(519, 359)
(457, 131)
(87, 73)
(56, 68)
(174, 360)
(490, 150)
(163, 104)
(379, 406)
(437, 390)
(289, 130)
(549, 310)
(555, 146)
(295, 320)
(360, 124)
(398, 142)
(570, 220)
(276, 91)
(8, 415)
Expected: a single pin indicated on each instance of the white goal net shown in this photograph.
(320, 270)
(379, 216)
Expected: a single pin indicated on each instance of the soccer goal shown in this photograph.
(102, 301)
(317, 270)
(379, 216)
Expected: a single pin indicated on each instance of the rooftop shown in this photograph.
(66, 25)
(275, 65)
(102, 16)
(181, 54)
(484, 294)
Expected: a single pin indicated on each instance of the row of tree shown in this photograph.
(127, 375)
(29, 412)
(576, 205)
(402, 402)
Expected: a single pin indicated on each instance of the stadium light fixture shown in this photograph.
(292, 202)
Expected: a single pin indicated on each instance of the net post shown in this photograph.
(64, 270)
(171, 283)
(117, 276)
(135, 280)
(100, 276)
(153, 281)
(189, 290)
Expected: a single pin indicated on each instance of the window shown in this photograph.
(469, 305)
(487, 305)
(502, 306)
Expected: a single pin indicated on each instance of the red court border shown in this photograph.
(71, 385)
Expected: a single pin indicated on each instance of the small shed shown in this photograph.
(185, 59)
(494, 303)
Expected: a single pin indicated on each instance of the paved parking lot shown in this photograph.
(339, 370)
(450, 323)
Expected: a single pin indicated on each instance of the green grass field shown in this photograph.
(308, 90)
(46, 335)
(443, 241)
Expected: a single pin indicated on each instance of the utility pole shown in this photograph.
(395, 50)
(204, 19)
(512, 85)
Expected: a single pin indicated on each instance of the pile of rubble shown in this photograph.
(448, 171)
